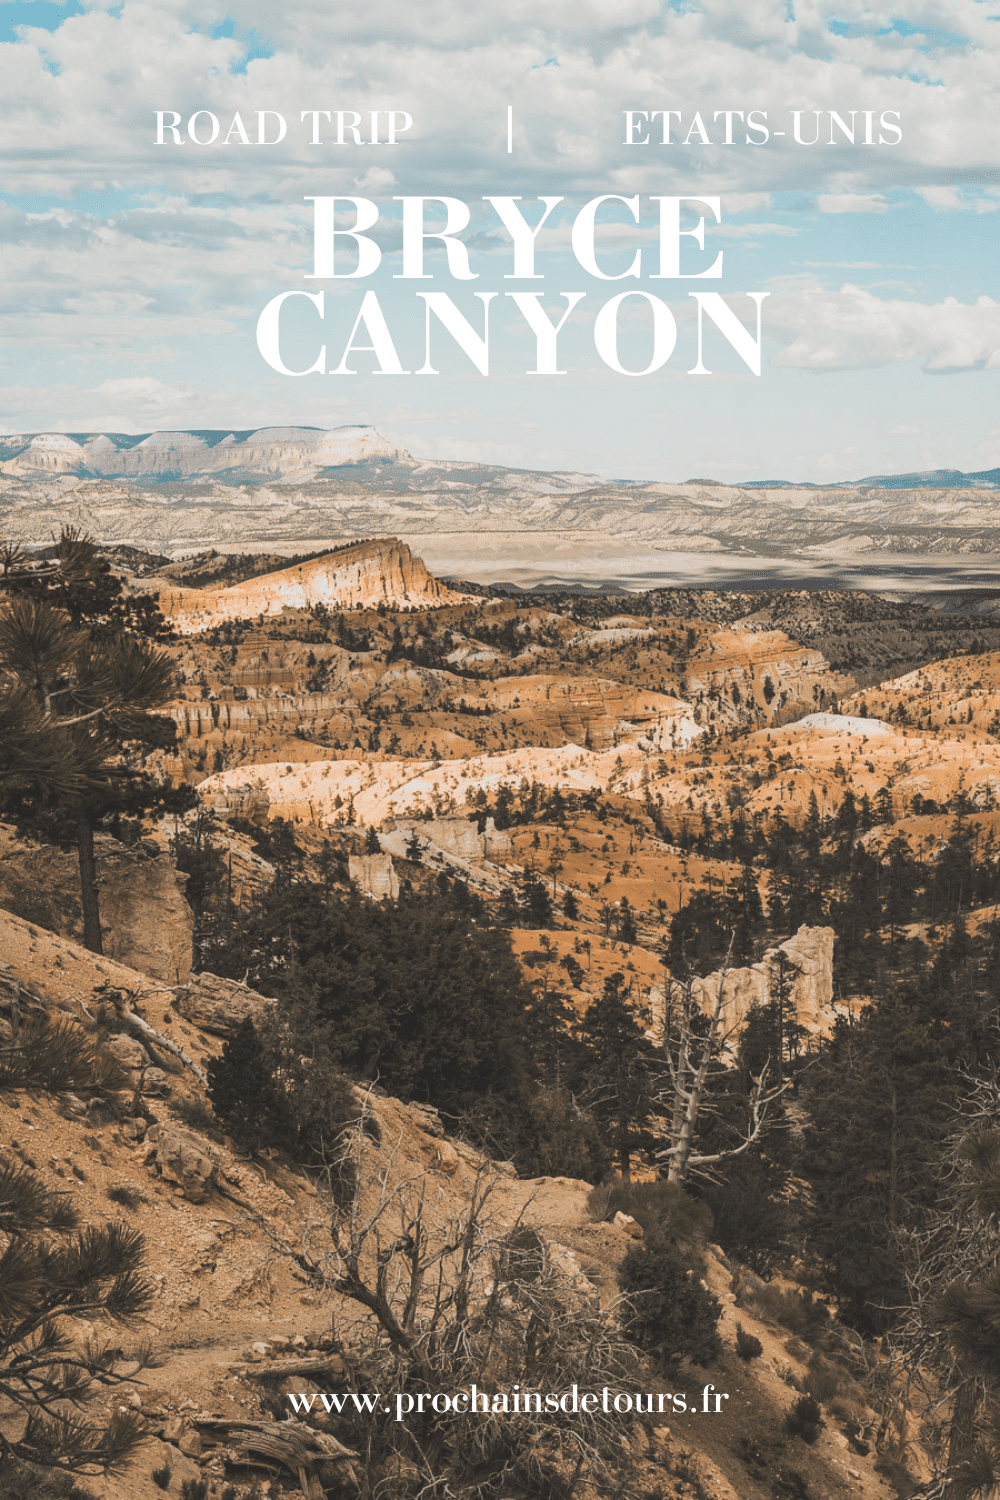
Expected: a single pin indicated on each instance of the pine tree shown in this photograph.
(880, 1095)
(813, 829)
(627, 930)
(671, 1314)
(243, 1093)
(51, 1270)
(620, 1079)
(73, 696)
(846, 821)
(536, 903)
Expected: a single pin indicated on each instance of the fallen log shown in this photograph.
(317, 1364)
(151, 1034)
(291, 1445)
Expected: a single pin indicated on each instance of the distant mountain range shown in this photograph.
(282, 453)
(927, 479)
(264, 453)
(306, 489)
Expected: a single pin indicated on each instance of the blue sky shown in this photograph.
(135, 273)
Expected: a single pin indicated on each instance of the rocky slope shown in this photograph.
(364, 575)
(230, 1243)
(395, 730)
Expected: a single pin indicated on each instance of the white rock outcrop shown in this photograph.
(806, 960)
(458, 837)
(374, 875)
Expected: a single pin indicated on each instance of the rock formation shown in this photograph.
(807, 961)
(369, 573)
(182, 1157)
(459, 837)
(146, 920)
(374, 875)
(321, 792)
(219, 1005)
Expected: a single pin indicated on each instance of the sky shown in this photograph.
(135, 273)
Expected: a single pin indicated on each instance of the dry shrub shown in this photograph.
(748, 1346)
(659, 1206)
(799, 1312)
(805, 1420)
(469, 1301)
(851, 1410)
(895, 1471)
(829, 1381)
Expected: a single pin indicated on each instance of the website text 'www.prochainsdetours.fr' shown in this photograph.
(473, 1401)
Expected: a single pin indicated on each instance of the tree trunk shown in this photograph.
(624, 1154)
(962, 1433)
(624, 1135)
(88, 885)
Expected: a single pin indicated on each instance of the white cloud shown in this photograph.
(183, 245)
(128, 404)
(852, 329)
(143, 388)
(751, 231)
(852, 203)
(836, 461)
(456, 67)
(944, 199)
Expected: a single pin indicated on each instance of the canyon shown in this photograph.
(786, 800)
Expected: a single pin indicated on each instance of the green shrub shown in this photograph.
(127, 1197)
(748, 1346)
(659, 1206)
(669, 1313)
(752, 1223)
(805, 1420)
(266, 1093)
(562, 1140)
(161, 1476)
(800, 1313)
(244, 1092)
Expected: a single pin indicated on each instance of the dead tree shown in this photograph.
(691, 1052)
(945, 1341)
(449, 1303)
